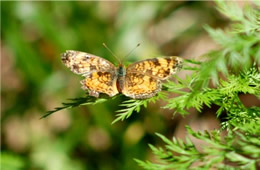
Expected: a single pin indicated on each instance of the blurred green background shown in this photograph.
(33, 80)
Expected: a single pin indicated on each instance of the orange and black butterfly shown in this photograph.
(139, 80)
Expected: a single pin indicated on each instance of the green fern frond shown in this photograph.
(76, 102)
(179, 154)
(225, 95)
(246, 20)
(133, 105)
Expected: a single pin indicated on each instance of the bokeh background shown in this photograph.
(33, 80)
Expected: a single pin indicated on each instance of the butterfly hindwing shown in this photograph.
(139, 86)
(100, 82)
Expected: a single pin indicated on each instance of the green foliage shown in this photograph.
(130, 105)
(76, 102)
(11, 161)
(135, 106)
(225, 95)
(239, 44)
(237, 60)
(239, 149)
(246, 21)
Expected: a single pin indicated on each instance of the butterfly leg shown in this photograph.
(93, 93)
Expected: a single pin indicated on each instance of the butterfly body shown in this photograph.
(139, 80)
(121, 72)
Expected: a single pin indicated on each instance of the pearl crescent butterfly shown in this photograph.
(139, 80)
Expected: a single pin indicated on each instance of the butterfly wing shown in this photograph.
(143, 79)
(159, 68)
(140, 86)
(84, 63)
(100, 82)
(100, 74)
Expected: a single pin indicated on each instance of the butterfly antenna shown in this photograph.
(131, 51)
(112, 53)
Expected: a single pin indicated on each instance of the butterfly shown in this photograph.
(140, 80)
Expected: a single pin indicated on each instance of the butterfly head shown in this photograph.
(121, 70)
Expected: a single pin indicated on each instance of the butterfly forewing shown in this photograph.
(160, 68)
(84, 63)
